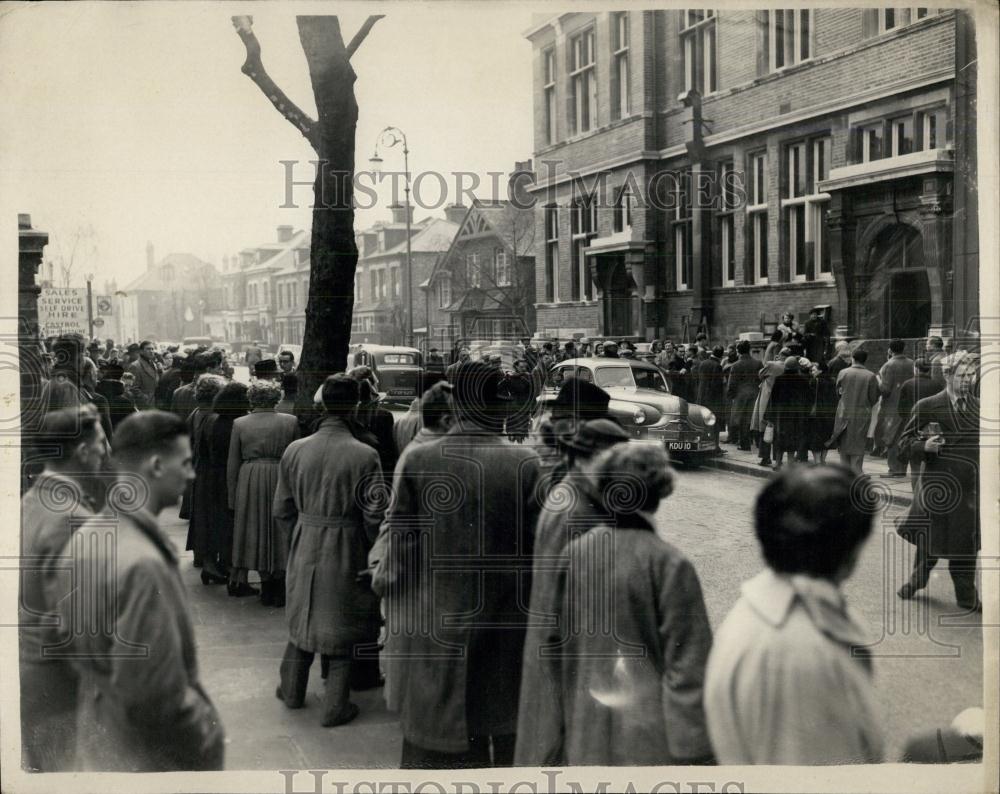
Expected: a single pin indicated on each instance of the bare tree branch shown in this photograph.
(362, 34)
(253, 67)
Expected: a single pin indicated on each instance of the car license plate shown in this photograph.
(401, 392)
(680, 446)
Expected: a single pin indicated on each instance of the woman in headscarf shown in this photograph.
(201, 497)
(255, 449)
(229, 405)
(632, 696)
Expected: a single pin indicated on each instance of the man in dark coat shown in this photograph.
(942, 435)
(463, 356)
(142, 705)
(56, 505)
(169, 382)
(816, 338)
(466, 506)
(327, 500)
(787, 410)
(742, 392)
(711, 388)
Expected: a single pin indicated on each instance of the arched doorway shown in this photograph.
(618, 302)
(908, 304)
(899, 294)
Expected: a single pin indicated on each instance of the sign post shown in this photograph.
(90, 312)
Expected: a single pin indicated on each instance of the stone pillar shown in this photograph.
(965, 228)
(841, 227)
(31, 242)
(935, 225)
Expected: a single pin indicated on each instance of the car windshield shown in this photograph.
(607, 377)
(399, 358)
(649, 379)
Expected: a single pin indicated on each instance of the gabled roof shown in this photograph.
(185, 267)
(434, 238)
(513, 226)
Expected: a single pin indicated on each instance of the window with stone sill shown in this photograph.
(681, 222)
(787, 37)
(620, 78)
(894, 18)
(902, 134)
(804, 207)
(699, 45)
(756, 272)
(725, 223)
(582, 83)
(622, 220)
(551, 114)
(552, 254)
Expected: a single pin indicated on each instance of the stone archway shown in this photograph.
(900, 298)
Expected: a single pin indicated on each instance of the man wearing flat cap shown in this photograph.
(468, 496)
(266, 369)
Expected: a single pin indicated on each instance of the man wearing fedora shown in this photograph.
(465, 505)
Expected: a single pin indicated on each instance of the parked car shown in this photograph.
(399, 370)
(641, 402)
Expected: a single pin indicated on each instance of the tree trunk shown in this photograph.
(334, 254)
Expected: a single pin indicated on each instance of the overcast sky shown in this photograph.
(136, 120)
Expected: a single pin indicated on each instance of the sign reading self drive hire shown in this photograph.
(62, 310)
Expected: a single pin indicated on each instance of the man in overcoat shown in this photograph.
(58, 503)
(741, 391)
(858, 390)
(943, 521)
(329, 498)
(711, 388)
(894, 373)
(146, 374)
(142, 706)
(458, 563)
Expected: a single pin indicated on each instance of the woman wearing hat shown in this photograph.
(632, 696)
(255, 448)
(787, 410)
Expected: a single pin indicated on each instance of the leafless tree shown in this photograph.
(517, 292)
(333, 253)
(73, 250)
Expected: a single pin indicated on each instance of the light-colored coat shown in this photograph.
(142, 706)
(782, 686)
(464, 506)
(859, 392)
(146, 377)
(894, 373)
(330, 501)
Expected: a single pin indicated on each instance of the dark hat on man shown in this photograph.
(581, 400)
(594, 436)
(265, 368)
(476, 394)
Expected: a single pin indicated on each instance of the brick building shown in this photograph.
(483, 287)
(713, 169)
(379, 285)
(265, 289)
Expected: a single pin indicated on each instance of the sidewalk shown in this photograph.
(733, 459)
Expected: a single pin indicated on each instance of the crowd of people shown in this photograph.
(403, 553)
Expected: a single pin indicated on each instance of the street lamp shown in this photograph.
(90, 307)
(390, 137)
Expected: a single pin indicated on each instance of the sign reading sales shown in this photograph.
(62, 310)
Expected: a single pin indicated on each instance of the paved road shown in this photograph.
(929, 673)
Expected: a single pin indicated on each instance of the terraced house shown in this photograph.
(711, 169)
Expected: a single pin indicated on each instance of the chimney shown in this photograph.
(399, 213)
(285, 233)
(455, 212)
(149, 256)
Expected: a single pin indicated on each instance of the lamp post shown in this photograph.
(90, 307)
(389, 137)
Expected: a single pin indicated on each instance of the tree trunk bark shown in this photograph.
(334, 254)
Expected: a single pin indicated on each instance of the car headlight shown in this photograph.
(708, 417)
(639, 417)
